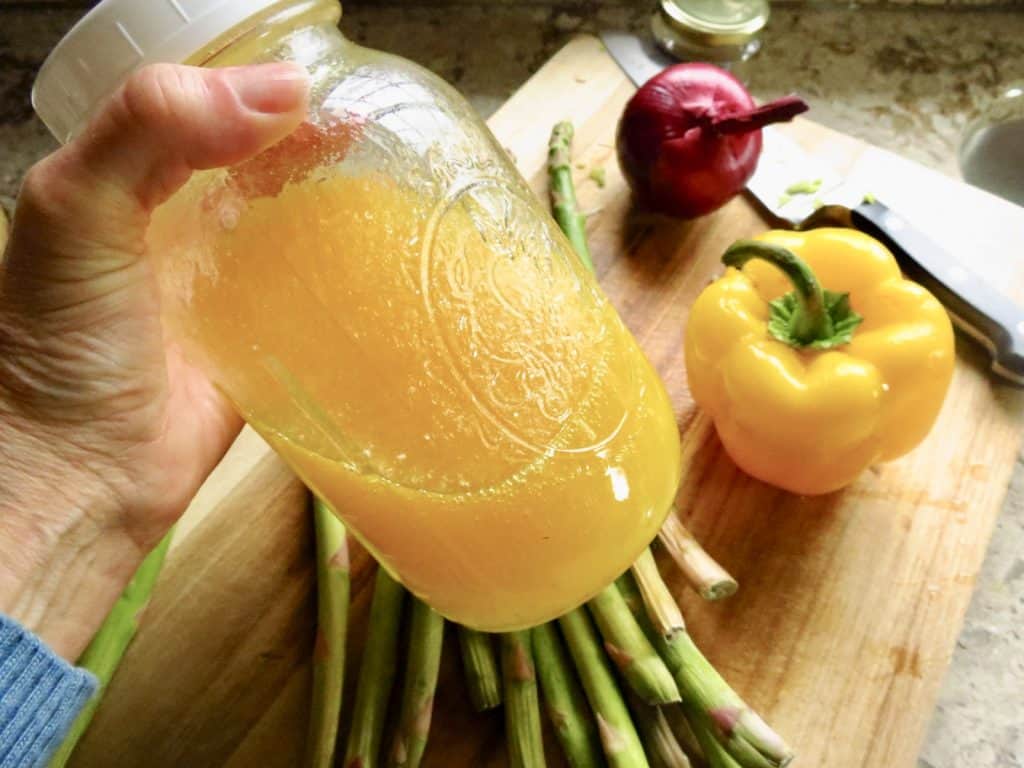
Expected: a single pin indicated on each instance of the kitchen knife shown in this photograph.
(798, 191)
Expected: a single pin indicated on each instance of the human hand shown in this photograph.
(106, 432)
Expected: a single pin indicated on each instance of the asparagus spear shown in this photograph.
(715, 754)
(376, 673)
(741, 729)
(103, 655)
(522, 710)
(684, 734)
(614, 725)
(563, 194)
(707, 577)
(630, 650)
(426, 636)
(573, 224)
(659, 740)
(563, 696)
(745, 736)
(661, 606)
(480, 668)
(332, 589)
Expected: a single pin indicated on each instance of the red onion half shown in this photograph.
(689, 139)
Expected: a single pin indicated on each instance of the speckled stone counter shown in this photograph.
(908, 79)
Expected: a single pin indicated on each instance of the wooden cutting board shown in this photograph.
(849, 606)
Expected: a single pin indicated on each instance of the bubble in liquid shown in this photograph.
(228, 217)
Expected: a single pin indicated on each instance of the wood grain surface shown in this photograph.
(849, 605)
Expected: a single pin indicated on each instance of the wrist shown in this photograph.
(63, 558)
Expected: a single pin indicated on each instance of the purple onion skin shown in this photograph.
(672, 157)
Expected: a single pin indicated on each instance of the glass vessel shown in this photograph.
(382, 297)
(723, 32)
(991, 152)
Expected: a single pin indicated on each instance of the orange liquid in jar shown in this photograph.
(447, 377)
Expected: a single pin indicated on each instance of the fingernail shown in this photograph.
(270, 88)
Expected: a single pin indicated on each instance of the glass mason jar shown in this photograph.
(383, 298)
(723, 32)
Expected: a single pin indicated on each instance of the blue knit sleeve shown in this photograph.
(40, 696)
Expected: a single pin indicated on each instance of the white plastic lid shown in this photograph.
(117, 37)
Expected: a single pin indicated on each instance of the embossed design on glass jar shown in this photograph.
(527, 359)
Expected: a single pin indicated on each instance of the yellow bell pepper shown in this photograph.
(809, 387)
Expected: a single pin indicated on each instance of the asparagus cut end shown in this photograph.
(719, 590)
(660, 604)
(480, 669)
(709, 579)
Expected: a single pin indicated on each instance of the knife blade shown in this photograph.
(640, 58)
(797, 191)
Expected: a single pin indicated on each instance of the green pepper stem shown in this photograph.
(811, 321)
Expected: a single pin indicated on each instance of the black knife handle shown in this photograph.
(977, 309)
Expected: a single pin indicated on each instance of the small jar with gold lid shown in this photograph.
(723, 32)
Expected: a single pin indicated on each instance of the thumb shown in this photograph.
(163, 123)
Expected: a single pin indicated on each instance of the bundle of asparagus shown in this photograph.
(617, 690)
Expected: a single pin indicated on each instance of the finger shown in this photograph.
(165, 122)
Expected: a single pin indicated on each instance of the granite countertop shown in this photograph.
(905, 78)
